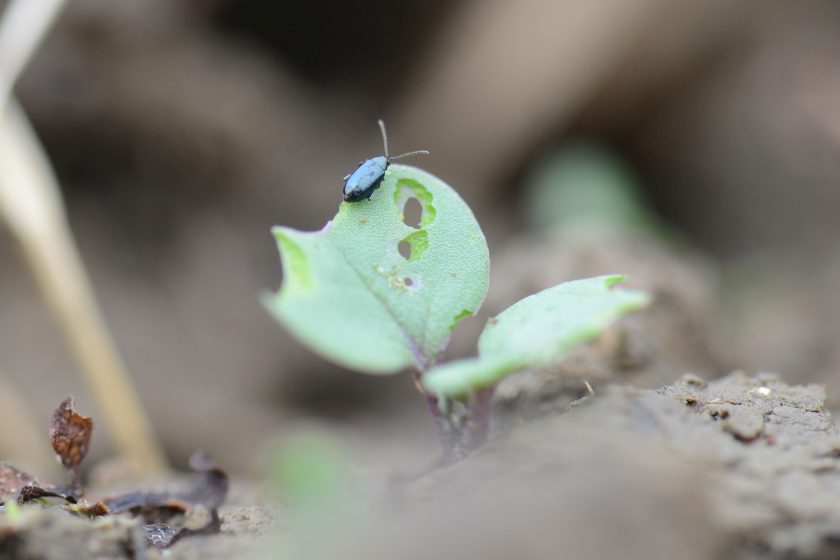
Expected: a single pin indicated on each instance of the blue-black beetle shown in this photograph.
(368, 176)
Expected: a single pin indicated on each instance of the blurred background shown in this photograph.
(690, 144)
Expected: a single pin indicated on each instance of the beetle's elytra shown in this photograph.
(360, 184)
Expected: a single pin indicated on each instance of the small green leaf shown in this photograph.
(536, 332)
(351, 296)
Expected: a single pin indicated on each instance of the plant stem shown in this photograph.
(444, 430)
(459, 433)
(441, 427)
(480, 410)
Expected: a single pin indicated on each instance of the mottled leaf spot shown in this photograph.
(395, 280)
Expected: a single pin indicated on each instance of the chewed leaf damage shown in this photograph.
(294, 260)
(418, 241)
(378, 291)
(409, 188)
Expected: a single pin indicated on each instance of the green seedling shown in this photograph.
(378, 293)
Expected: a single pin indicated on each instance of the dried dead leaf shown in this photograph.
(70, 437)
(208, 489)
(211, 486)
(29, 493)
(169, 516)
(84, 507)
(199, 501)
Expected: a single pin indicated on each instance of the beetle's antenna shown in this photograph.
(414, 153)
(384, 136)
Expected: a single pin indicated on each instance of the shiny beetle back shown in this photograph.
(360, 184)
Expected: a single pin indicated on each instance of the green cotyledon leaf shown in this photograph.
(354, 298)
(536, 332)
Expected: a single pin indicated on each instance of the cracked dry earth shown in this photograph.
(776, 454)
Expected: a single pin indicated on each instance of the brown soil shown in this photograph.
(741, 467)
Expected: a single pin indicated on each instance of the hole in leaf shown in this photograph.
(408, 281)
(417, 241)
(408, 196)
(412, 213)
(404, 248)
